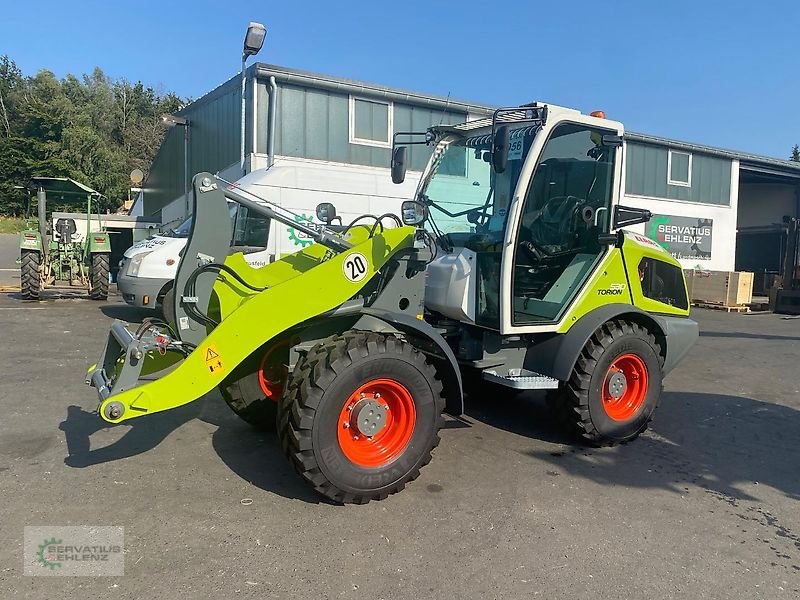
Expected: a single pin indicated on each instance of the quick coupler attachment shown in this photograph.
(123, 361)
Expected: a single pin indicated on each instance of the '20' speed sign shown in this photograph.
(355, 266)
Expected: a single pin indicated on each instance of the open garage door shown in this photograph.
(768, 200)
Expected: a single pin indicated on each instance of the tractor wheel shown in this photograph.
(255, 387)
(615, 385)
(30, 276)
(98, 276)
(361, 416)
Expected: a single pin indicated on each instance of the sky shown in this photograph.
(722, 73)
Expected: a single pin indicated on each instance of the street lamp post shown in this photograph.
(253, 41)
(173, 121)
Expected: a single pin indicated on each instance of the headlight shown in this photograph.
(133, 265)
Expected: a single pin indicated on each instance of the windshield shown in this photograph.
(463, 183)
(183, 230)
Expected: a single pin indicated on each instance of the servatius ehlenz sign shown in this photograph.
(683, 237)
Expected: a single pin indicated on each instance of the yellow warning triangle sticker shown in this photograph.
(211, 355)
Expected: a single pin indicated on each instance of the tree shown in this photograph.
(90, 127)
(795, 153)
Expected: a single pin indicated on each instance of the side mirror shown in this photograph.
(399, 164)
(326, 212)
(414, 213)
(625, 216)
(500, 149)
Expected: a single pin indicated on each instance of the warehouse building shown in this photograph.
(293, 117)
(715, 209)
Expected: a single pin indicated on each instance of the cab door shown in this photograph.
(561, 209)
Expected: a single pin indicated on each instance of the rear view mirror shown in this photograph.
(625, 216)
(399, 164)
(414, 213)
(326, 212)
(500, 149)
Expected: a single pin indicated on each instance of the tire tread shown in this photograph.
(313, 374)
(571, 401)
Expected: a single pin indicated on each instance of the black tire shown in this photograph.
(579, 404)
(319, 390)
(98, 276)
(167, 307)
(242, 390)
(30, 276)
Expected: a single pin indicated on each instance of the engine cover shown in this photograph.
(450, 285)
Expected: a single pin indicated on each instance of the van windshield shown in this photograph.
(183, 230)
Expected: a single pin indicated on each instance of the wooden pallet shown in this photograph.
(717, 306)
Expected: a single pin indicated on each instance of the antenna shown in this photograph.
(444, 110)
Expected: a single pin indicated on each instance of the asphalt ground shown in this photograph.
(9, 253)
(704, 505)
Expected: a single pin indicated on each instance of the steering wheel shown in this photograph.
(534, 251)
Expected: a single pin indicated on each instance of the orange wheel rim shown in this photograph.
(376, 423)
(625, 387)
(271, 376)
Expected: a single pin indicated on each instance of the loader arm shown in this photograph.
(297, 287)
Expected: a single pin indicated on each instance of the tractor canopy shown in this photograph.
(64, 188)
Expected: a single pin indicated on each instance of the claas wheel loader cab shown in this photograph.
(510, 266)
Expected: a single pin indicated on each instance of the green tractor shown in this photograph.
(57, 254)
(510, 270)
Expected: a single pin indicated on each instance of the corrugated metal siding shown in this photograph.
(165, 180)
(214, 129)
(646, 175)
(214, 133)
(314, 124)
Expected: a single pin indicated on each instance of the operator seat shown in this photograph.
(66, 228)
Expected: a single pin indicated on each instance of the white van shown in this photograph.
(149, 267)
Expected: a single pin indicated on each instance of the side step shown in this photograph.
(522, 379)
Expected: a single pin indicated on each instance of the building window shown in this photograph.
(371, 122)
(679, 168)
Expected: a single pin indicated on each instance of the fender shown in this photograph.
(439, 354)
(556, 355)
(99, 242)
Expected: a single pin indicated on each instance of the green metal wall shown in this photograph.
(646, 175)
(314, 123)
(214, 129)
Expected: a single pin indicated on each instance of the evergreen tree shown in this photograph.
(91, 128)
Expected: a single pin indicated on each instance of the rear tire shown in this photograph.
(320, 417)
(255, 387)
(98, 276)
(30, 275)
(615, 385)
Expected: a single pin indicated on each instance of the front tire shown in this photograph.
(361, 416)
(30, 274)
(615, 386)
(255, 387)
(98, 276)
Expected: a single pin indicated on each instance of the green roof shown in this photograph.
(64, 186)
